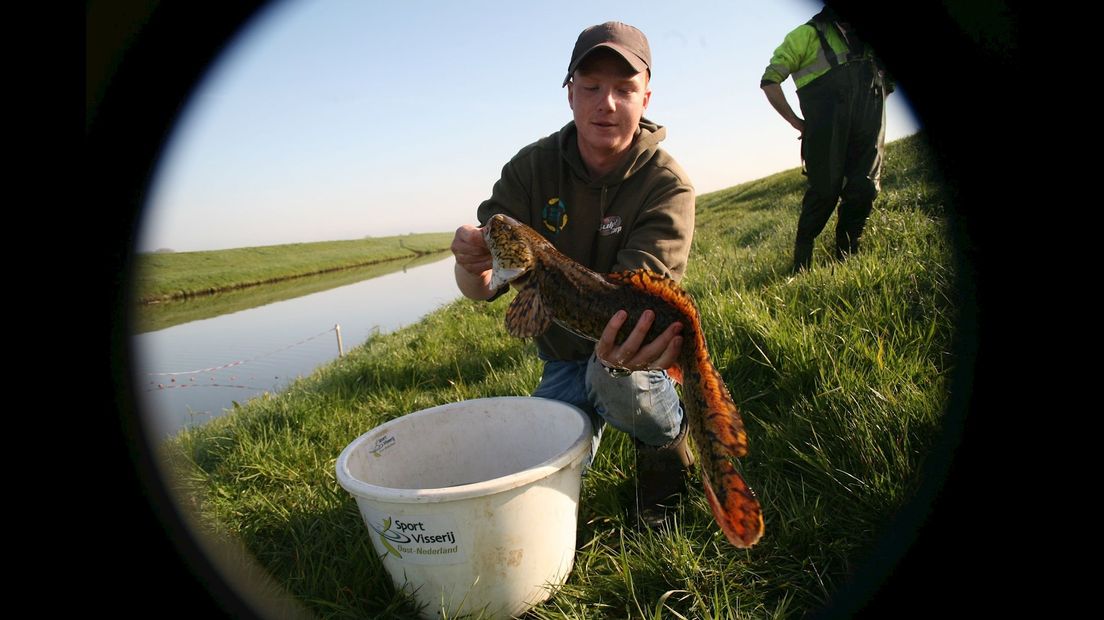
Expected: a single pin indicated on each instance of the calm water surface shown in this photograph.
(190, 373)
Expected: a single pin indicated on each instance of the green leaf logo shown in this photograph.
(383, 539)
(390, 549)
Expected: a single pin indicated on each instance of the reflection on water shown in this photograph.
(187, 373)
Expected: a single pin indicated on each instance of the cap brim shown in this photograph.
(636, 62)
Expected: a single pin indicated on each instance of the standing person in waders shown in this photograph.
(841, 86)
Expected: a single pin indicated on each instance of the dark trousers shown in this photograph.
(841, 149)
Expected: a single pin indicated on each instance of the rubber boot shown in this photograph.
(661, 477)
(803, 257)
(846, 245)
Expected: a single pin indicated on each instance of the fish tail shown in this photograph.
(720, 416)
(718, 432)
(735, 508)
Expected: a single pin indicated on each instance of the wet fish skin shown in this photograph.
(554, 288)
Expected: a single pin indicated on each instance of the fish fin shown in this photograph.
(737, 510)
(675, 372)
(650, 282)
(721, 415)
(662, 286)
(527, 315)
(642, 274)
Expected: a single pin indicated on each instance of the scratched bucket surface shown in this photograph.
(472, 506)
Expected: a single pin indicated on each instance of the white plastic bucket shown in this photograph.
(472, 506)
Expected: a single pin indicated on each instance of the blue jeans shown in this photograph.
(644, 404)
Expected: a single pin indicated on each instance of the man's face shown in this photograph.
(607, 99)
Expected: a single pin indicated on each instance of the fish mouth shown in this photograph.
(501, 275)
(487, 238)
(503, 270)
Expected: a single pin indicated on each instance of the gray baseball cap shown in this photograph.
(624, 39)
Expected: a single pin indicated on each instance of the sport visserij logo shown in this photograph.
(420, 540)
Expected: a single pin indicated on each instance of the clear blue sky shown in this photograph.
(339, 119)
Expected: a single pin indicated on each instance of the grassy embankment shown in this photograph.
(178, 275)
(840, 374)
(155, 316)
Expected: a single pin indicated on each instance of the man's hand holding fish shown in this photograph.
(635, 353)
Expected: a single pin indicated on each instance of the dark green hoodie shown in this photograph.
(640, 215)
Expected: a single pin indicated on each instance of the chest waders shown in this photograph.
(841, 152)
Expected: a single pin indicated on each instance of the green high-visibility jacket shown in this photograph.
(802, 56)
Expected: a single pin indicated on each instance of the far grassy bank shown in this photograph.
(178, 275)
(841, 375)
(155, 316)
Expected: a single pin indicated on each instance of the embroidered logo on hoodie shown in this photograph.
(554, 216)
(610, 226)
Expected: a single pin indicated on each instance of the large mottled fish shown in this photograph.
(554, 288)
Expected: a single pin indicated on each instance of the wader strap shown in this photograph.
(828, 53)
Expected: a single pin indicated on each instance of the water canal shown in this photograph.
(193, 360)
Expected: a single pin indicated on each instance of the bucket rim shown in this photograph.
(359, 488)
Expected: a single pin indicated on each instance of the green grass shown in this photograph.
(840, 374)
(169, 276)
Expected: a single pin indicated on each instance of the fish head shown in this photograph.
(511, 244)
